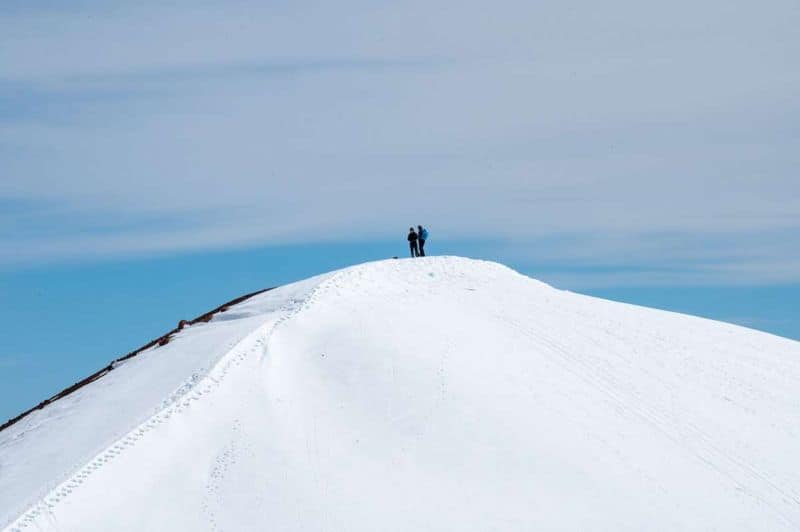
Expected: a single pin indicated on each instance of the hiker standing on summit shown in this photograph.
(422, 236)
(412, 242)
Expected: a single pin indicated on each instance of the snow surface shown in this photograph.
(429, 394)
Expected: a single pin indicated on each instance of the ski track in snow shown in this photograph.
(223, 462)
(194, 389)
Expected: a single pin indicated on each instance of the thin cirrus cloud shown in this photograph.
(637, 143)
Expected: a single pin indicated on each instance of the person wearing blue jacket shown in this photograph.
(422, 236)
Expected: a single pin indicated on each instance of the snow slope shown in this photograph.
(429, 394)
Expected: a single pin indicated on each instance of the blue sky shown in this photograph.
(641, 152)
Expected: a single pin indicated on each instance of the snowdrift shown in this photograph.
(429, 394)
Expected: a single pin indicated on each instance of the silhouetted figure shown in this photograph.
(422, 236)
(412, 242)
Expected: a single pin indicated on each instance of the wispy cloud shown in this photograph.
(249, 69)
(645, 145)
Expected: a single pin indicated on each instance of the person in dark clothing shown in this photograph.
(412, 242)
(422, 236)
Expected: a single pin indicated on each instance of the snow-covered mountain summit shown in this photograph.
(429, 394)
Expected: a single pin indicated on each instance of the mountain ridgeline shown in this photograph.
(439, 393)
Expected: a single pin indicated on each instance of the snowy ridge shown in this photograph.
(430, 394)
(193, 389)
(160, 341)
